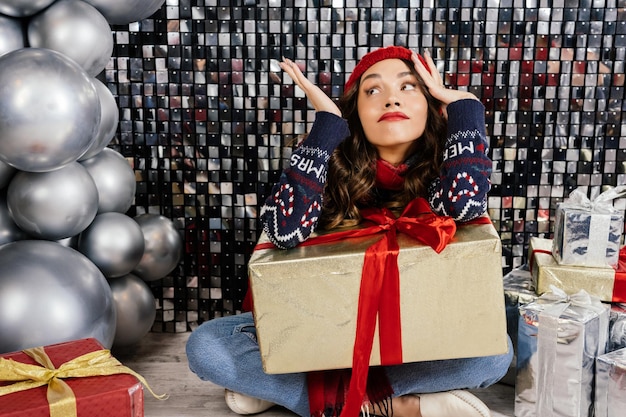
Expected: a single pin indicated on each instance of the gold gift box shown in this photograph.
(305, 301)
(547, 271)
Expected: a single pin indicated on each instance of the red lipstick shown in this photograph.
(393, 116)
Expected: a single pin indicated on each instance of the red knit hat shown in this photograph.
(371, 58)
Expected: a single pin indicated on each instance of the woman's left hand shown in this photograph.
(427, 70)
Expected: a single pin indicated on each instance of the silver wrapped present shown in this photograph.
(588, 232)
(617, 327)
(518, 289)
(610, 398)
(559, 337)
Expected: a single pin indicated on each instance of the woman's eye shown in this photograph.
(371, 91)
(408, 87)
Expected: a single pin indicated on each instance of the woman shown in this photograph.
(397, 135)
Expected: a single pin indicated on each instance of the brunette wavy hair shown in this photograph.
(351, 182)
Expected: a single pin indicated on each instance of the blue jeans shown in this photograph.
(225, 352)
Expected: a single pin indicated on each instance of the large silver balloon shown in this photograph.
(113, 242)
(136, 309)
(109, 119)
(76, 29)
(50, 110)
(123, 12)
(51, 294)
(6, 173)
(23, 8)
(11, 34)
(163, 247)
(9, 231)
(114, 178)
(53, 205)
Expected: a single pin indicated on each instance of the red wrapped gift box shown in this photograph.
(118, 395)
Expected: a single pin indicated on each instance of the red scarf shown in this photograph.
(328, 390)
(389, 176)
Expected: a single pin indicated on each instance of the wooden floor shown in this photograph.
(161, 359)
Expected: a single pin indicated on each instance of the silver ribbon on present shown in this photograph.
(599, 226)
(547, 339)
(602, 203)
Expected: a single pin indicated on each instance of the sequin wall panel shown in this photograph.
(210, 120)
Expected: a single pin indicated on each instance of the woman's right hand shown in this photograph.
(319, 99)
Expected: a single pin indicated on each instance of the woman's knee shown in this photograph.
(198, 350)
(213, 344)
(499, 365)
(203, 347)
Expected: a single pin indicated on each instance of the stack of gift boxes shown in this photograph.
(565, 314)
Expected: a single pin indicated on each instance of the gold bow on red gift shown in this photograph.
(61, 399)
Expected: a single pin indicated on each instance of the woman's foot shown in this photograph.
(439, 404)
(452, 404)
(242, 404)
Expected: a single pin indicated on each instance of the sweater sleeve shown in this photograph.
(291, 212)
(462, 187)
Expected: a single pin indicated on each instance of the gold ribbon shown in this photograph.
(61, 399)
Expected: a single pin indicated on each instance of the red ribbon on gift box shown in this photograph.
(619, 282)
(619, 285)
(379, 293)
(531, 261)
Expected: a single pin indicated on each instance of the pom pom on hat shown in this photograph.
(371, 58)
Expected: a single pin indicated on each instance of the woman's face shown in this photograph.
(392, 108)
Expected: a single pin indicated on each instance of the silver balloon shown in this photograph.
(23, 8)
(123, 12)
(11, 35)
(51, 294)
(135, 307)
(109, 119)
(163, 247)
(77, 30)
(6, 173)
(114, 178)
(9, 231)
(114, 243)
(50, 110)
(53, 205)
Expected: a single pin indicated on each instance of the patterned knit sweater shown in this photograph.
(291, 212)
